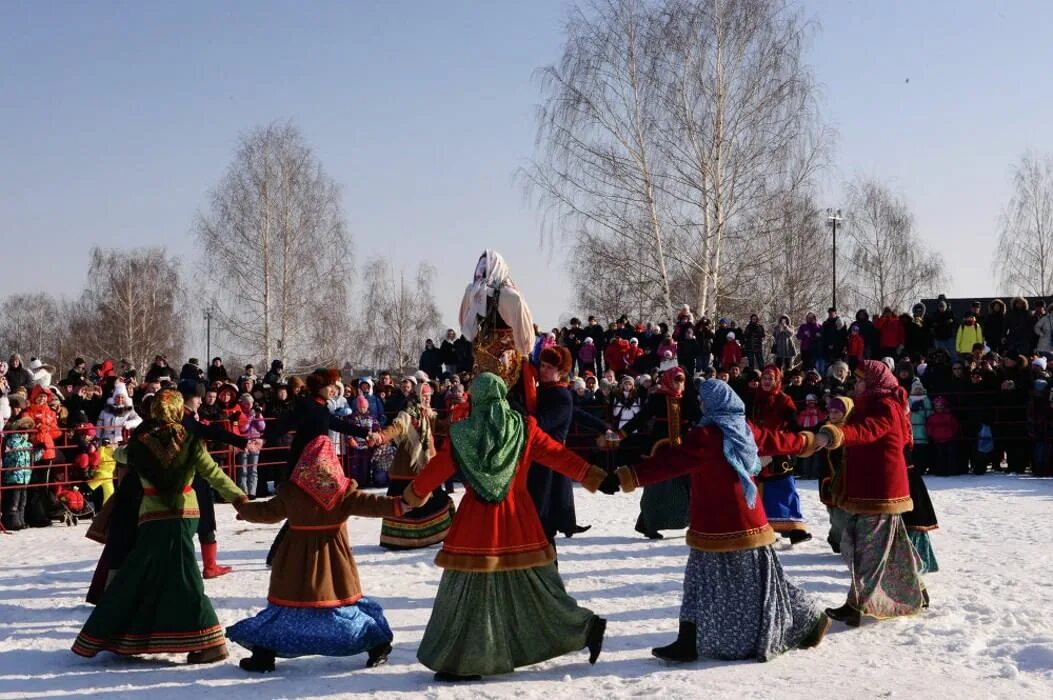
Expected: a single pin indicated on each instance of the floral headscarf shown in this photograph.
(878, 378)
(668, 385)
(319, 474)
(155, 446)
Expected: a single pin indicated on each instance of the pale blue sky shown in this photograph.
(116, 119)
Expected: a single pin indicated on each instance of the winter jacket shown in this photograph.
(994, 325)
(920, 410)
(967, 337)
(587, 353)
(1044, 331)
(1020, 328)
(942, 427)
(783, 344)
(251, 428)
(753, 338)
(916, 337)
(811, 417)
(46, 431)
(835, 338)
(431, 363)
(891, 333)
(217, 374)
(687, 351)
(18, 458)
(810, 335)
(111, 425)
(869, 332)
(731, 354)
(942, 324)
(856, 346)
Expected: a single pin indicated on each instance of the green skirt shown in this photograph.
(485, 623)
(664, 506)
(923, 546)
(156, 603)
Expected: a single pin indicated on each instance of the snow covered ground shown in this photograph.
(989, 633)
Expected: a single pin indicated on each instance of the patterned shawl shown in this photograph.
(155, 446)
(319, 474)
(489, 443)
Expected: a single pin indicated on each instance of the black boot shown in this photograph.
(378, 655)
(835, 546)
(846, 614)
(261, 661)
(649, 534)
(925, 598)
(443, 677)
(578, 529)
(594, 639)
(684, 649)
(798, 536)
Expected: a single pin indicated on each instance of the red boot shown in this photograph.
(211, 568)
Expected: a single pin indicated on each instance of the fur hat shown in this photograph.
(321, 378)
(558, 357)
(35, 364)
(190, 388)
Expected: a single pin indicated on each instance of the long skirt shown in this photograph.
(485, 623)
(119, 534)
(782, 504)
(923, 517)
(837, 525)
(291, 632)
(885, 567)
(553, 496)
(664, 506)
(743, 605)
(156, 603)
(923, 546)
(420, 527)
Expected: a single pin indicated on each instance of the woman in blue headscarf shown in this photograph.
(737, 602)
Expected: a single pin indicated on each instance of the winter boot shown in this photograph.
(684, 649)
(649, 534)
(846, 614)
(261, 661)
(925, 598)
(594, 639)
(378, 655)
(817, 633)
(577, 530)
(208, 557)
(799, 536)
(208, 656)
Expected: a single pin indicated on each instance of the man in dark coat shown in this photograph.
(552, 492)
(942, 325)
(835, 337)
(431, 360)
(595, 331)
(18, 377)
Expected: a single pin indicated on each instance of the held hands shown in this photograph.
(822, 440)
(610, 485)
(374, 440)
(254, 446)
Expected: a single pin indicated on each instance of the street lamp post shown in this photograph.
(834, 217)
(208, 334)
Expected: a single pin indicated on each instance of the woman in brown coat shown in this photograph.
(315, 601)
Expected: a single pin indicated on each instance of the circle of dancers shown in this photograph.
(702, 460)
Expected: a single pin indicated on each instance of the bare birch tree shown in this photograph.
(1023, 261)
(743, 132)
(132, 307)
(398, 314)
(30, 325)
(596, 168)
(887, 264)
(275, 248)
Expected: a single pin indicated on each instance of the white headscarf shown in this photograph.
(492, 275)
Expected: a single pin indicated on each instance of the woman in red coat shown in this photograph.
(501, 602)
(875, 492)
(737, 602)
(773, 409)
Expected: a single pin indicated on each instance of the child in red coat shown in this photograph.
(731, 354)
(943, 429)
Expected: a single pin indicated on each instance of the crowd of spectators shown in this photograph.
(978, 386)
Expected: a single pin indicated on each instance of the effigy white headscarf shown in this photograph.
(492, 275)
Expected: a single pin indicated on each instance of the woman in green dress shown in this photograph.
(156, 603)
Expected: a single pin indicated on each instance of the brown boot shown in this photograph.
(817, 633)
(208, 656)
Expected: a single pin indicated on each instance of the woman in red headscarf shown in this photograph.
(670, 412)
(875, 492)
(775, 410)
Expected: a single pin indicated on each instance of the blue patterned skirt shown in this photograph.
(782, 505)
(923, 546)
(291, 632)
(743, 605)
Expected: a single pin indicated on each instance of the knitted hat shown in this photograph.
(811, 398)
(917, 388)
(836, 403)
(1039, 362)
(731, 335)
